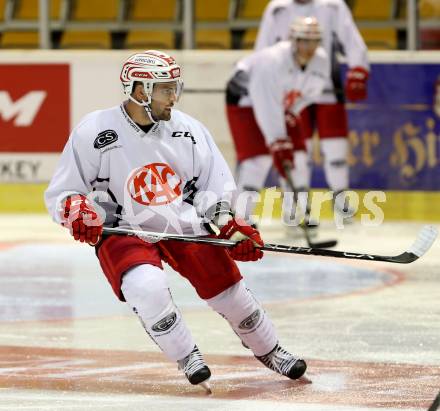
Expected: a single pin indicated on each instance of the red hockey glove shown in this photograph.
(249, 240)
(81, 219)
(356, 84)
(282, 153)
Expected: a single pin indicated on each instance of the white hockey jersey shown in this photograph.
(275, 83)
(163, 181)
(335, 20)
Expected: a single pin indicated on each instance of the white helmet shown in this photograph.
(306, 28)
(149, 67)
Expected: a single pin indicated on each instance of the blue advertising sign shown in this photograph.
(395, 134)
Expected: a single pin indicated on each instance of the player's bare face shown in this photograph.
(163, 98)
(305, 49)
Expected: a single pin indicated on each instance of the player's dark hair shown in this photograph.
(136, 83)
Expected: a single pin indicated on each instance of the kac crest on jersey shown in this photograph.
(154, 185)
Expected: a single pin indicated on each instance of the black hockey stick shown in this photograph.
(421, 245)
(435, 405)
(314, 244)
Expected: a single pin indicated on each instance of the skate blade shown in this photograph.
(206, 386)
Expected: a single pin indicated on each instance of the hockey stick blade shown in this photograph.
(421, 245)
(424, 241)
(317, 244)
(323, 244)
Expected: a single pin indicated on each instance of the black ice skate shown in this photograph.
(195, 369)
(284, 363)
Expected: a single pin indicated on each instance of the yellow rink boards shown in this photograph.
(399, 205)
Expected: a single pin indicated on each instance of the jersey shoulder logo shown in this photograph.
(105, 138)
(184, 134)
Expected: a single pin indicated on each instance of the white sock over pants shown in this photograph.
(336, 168)
(247, 318)
(145, 288)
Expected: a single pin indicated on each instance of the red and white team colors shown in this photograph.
(164, 175)
(266, 94)
(274, 84)
(336, 23)
(328, 116)
(147, 180)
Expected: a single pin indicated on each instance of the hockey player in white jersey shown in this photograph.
(265, 96)
(146, 164)
(328, 115)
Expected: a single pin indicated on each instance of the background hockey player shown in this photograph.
(158, 168)
(266, 94)
(329, 115)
